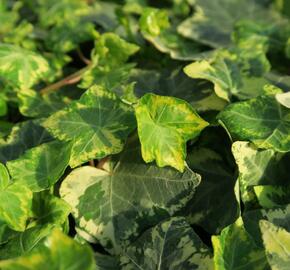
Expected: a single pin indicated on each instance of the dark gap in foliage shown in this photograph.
(100, 249)
(160, 4)
(72, 232)
(86, 49)
(203, 235)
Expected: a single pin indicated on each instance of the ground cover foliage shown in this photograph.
(143, 134)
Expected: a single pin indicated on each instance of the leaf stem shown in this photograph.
(71, 79)
(82, 57)
(102, 162)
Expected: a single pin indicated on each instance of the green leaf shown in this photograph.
(261, 120)
(48, 209)
(165, 124)
(59, 252)
(15, 204)
(199, 94)
(22, 137)
(20, 67)
(5, 233)
(171, 244)
(67, 36)
(97, 125)
(155, 28)
(42, 166)
(8, 16)
(214, 205)
(222, 72)
(3, 106)
(279, 216)
(153, 21)
(277, 245)
(111, 50)
(214, 21)
(25, 242)
(33, 104)
(272, 196)
(258, 167)
(235, 249)
(4, 177)
(114, 206)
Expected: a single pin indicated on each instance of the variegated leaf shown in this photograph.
(277, 245)
(222, 72)
(20, 67)
(280, 216)
(97, 125)
(235, 249)
(58, 251)
(261, 120)
(114, 206)
(23, 136)
(42, 166)
(258, 167)
(272, 196)
(170, 245)
(15, 202)
(165, 124)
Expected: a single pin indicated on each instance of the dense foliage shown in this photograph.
(141, 134)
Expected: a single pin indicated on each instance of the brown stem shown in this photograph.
(102, 162)
(92, 163)
(82, 57)
(71, 79)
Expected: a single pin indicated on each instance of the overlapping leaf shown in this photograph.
(164, 126)
(261, 120)
(171, 244)
(15, 202)
(96, 125)
(58, 252)
(20, 67)
(113, 207)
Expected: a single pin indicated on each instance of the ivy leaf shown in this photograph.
(171, 244)
(280, 216)
(265, 122)
(97, 125)
(214, 21)
(40, 167)
(164, 126)
(22, 68)
(111, 50)
(6, 233)
(23, 136)
(258, 167)
(25, 242)
(214, 205)
(272, 196)
(49, 209)
(114, 207)
(235, 248)
(277, 245)
(284, 99)
(222, 72)
(33, 104)
(109, 68)
(3, 105)
(155, 27)
(58, 252)
(4, 177)
(197, 93)
(15, 202)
